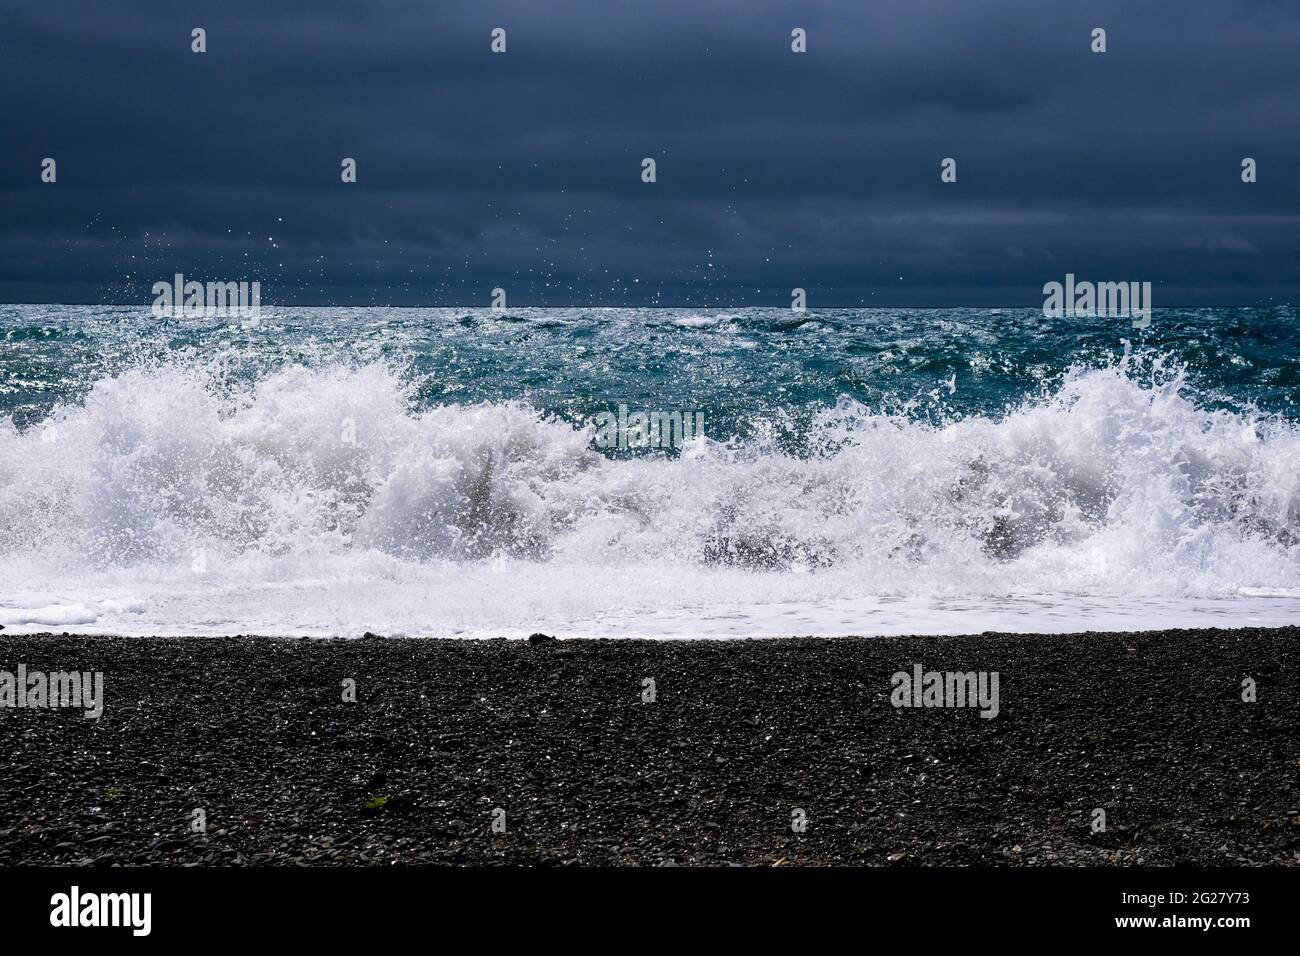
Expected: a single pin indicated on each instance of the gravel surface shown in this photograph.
(1150, 727)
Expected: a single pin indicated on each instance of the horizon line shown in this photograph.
(810, 308)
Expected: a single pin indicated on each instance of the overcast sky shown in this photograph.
(775, 169)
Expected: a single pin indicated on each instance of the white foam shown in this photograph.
(323, 501)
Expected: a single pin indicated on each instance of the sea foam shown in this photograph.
(326, 499)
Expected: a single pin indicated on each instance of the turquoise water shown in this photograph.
(743, 367)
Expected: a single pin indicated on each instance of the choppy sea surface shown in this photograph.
(436, 472)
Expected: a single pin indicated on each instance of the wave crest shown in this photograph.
(1107, 483)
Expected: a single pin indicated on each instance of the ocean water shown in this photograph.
(436, 472)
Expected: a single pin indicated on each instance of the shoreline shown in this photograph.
(1148, 726)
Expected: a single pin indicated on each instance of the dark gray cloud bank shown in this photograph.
(775, 169)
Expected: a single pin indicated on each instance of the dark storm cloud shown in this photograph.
(775, 169)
